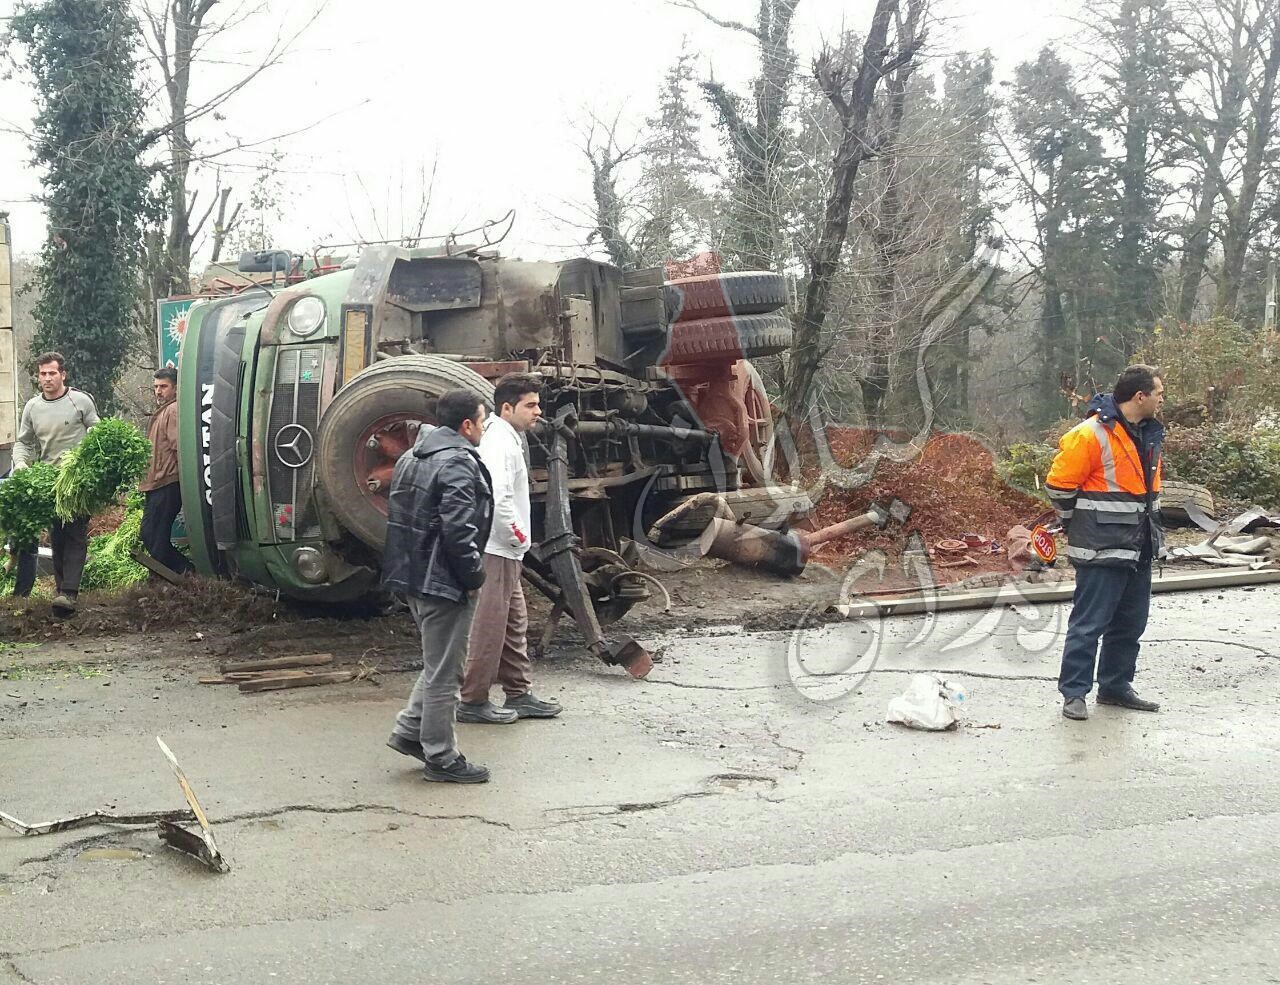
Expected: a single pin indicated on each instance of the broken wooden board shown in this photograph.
(93, 817)
(278, 663)
(155, 567)
(208, 852)
(280, 682)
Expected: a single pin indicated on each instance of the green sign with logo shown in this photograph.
(171, 324)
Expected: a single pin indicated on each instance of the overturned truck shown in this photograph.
(297, 399)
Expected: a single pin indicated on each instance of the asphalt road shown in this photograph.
(745, 815)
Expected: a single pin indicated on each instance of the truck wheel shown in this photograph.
(1175, 497)
(760, 418)
(747, 292)
(728, 339)
(371, 422)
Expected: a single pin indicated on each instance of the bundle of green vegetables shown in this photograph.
(110, 566)
(112, 457)
(27, 506)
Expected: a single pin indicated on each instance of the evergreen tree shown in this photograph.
(82, 57)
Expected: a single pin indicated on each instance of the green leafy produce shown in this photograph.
(112, 456)
(1025, 465)
(110, 566)
(27, 505)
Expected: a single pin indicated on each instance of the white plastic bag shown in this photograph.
(929, 703)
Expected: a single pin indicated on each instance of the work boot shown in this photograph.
(1075, 709)
(527, 706)
(64, 605)
(1127, 698)
(459, 771)
(407, 747)
(484, 713)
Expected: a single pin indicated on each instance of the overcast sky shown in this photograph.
(490, 90)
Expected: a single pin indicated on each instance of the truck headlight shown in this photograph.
(312, 566)
(306, 316)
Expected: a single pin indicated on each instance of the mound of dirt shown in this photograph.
(952, 488)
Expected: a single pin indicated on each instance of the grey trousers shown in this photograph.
(429, 717)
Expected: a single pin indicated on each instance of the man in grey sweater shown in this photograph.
(53, 422)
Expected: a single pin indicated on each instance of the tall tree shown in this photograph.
(82, 55)
(182, 39)
(1061, 177)
(757, 135)
(1208, 114)
(1137, 65)
(1242, 216)
(679, 212)
(851, 88)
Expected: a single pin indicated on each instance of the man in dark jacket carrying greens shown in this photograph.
(440, 511)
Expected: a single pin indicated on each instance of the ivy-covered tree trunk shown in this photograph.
(82, 57)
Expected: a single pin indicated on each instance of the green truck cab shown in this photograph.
(295, 401)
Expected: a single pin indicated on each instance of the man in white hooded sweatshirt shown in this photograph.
(498, 650)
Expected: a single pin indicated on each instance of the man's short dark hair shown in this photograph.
(511, 389)
(457, 406)
(1134, 380)
(167, 373)
(51, 357)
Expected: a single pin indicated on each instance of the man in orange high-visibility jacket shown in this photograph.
(1105, 485)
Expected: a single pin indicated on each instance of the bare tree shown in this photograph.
(852, 95)
(180, 36)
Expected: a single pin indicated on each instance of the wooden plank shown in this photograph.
(278, 663)
(240, 678)
(154, 566)
(310, 680)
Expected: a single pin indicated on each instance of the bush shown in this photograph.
(1214, 372)
(1239, 464)
(1024, 466)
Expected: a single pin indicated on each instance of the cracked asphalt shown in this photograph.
(745, 815)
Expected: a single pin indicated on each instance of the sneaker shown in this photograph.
(484, 713)
(1127, 699)
(64, 605)
(1075, 709)
(407, 747)
(459, 771)
(528, 706)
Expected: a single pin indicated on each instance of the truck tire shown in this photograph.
(746, 292)
(380, 405)
(728, 339)
(1176, 496)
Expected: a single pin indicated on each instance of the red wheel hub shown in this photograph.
(379, 448)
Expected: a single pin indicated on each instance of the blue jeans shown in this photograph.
(1110, 604)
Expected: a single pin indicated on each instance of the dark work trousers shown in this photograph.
(1110, 604)
(70, 542)
(26, 574)
(444, 626)
(159, 510)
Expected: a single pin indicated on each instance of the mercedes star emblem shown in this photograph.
(293, 445)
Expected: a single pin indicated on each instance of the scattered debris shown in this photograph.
(200, 846)
(930, 703)
(783, 553)
(280, 673)
(93, 817)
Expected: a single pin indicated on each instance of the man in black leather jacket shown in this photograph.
(440, 511)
